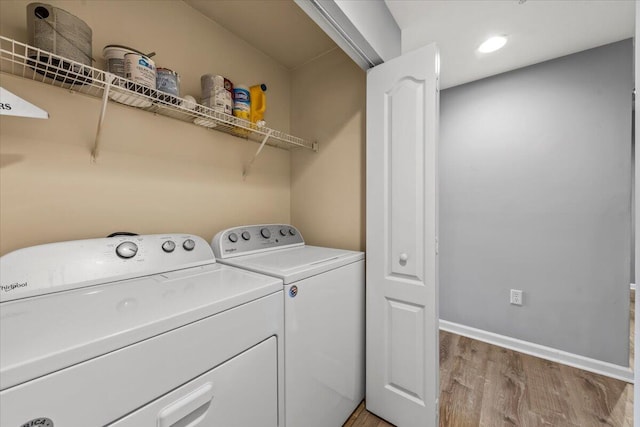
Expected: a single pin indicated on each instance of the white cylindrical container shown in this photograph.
(241, 107)
(57, 31)
(114, 57)
(140, 69)
(241, 102)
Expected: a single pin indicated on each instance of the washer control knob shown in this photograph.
(283, 232)
(265, 233)
(292, 231)
(246, 235)
(188, 245)
(168, 246)
(127, 250)
(233, 237)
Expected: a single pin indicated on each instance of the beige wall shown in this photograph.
(328, 97)
(154, 174)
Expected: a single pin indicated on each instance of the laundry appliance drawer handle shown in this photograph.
(187, 405)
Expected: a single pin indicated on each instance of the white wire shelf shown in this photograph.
(29, 62)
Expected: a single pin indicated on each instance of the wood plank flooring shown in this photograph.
(489, 386)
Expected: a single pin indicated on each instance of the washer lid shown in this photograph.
(43, 334)
(295, 264)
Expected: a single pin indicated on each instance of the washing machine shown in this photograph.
(138, 331)
(324, 318)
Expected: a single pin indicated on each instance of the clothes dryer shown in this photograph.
(137, 331)
(323, 317)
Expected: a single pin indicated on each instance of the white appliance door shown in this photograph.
(402, 280)
(242, 392)
(324, 347)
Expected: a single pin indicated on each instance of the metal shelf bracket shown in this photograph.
(245, 170)
(103, 111)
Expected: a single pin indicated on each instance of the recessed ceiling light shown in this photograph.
(492, 44)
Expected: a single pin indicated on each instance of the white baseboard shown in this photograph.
(623, 373)
(633, 286)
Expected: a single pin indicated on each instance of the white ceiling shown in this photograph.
(279, 28)
(538, 30)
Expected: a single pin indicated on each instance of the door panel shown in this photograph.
(404, 106)
(405, 333)
(402, 280)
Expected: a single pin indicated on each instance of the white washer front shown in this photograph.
(159, 337)
(323, 318)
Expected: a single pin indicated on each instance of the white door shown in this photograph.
(402, 279)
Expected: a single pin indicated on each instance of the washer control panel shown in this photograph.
(128, 247)
(255, 238)
(68, 265)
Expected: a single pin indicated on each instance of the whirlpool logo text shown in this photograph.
(13, 286)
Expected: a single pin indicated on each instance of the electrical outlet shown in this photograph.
(516, 297)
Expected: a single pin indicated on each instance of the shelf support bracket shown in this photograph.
(245, 170)
(103, 110)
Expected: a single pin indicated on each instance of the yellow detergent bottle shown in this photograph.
(258, 102)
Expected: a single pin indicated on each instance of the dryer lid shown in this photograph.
(45, 333)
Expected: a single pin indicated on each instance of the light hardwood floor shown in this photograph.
(484, 385)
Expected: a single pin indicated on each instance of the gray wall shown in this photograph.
(535, 177)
